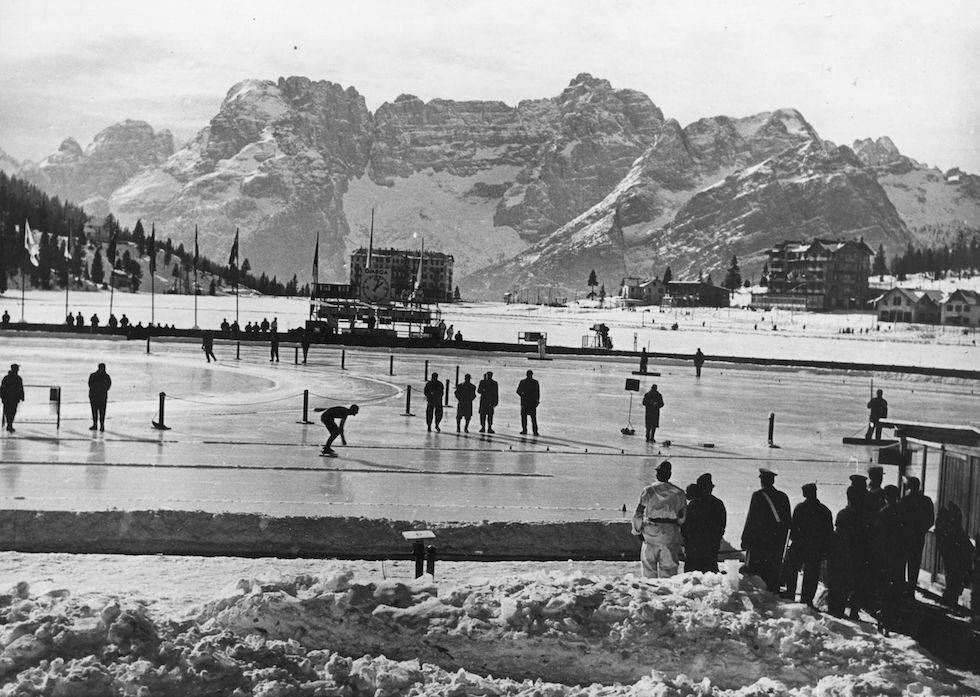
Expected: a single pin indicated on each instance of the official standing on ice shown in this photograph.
(657, 521)
(99, 383)
(530, 394)
(433, 392)
(654, 402)
(489, 395)
(766, 527)
(11, 394)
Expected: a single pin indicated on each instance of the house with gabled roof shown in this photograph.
(962, 308)
(909, 305)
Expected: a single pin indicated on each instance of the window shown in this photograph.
(897, 300)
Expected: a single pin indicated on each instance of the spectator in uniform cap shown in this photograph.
(765, 531)
(811, 536)
(716, 517)
(657, 521)
(876, 495)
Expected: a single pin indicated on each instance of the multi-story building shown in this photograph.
(400, 268)
(826, 275)
(636, 291)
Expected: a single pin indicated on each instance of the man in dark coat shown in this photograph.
(698, 362)
(766, 527)
(849, 538)
(530, 393)
(716, 519)
(879, 410)
(99, 383)
(888, 553)
(810, 537)
(465, 394)
(918, 515)
(433, 392)
(653, 401)
(876, 494)
(955, 550)
(489, 395)
(11, 394)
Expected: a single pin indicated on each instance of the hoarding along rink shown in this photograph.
(236, 443)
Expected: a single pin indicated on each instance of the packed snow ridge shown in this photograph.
(543, 634)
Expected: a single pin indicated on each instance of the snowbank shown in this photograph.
(543, 634)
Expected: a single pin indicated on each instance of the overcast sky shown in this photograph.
(854, 69)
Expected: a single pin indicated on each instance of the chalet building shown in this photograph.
(818, 275)
(696, 294)
(909, 305)
(401, 266)
(962, 308)
(636, 291)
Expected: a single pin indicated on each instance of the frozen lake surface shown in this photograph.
(235, 443)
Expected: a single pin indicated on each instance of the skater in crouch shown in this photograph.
(334, 419)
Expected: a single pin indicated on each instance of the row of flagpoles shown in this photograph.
(33, 248)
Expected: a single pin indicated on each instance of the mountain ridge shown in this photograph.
(534, 189)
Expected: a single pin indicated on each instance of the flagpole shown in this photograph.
(153, 263)
(67, 268)
(194, 289)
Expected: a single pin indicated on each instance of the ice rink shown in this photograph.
(235, 442)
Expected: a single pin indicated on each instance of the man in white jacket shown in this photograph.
(657, 520)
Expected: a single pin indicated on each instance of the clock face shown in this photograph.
(375, 287)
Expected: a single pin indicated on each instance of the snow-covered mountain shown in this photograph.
(595, 177)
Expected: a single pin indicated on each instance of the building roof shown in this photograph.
(915, 295)
(952, 434)
(817, 244)
(970, 297)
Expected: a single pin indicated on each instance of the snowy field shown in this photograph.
(187, 626)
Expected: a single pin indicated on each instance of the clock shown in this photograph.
(375, 287)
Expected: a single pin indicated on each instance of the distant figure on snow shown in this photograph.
(304, 342)
(11, 394)
(879, 410)
(79, 320)
(465, 394)
(334, 419)
(698, 361)
(529, 391)
(207, 345)
(434, 392)
(489, 395)
(99, 383)
(653, 401)
(274, 347)
(643, 361)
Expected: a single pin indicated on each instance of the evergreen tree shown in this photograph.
(733, 279)
(602, 295)
(592, 283)
(879, 267)
(211, 290)
(709, 281)
(139, 237)
(668, 275)
(700, 276)
(246, 267)
(764, 278)
(98, 271)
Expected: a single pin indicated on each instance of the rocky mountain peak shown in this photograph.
(882, 155)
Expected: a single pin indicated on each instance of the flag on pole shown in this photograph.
(196, 253)
(153, 248)
(316, 259)
(31, 245)
(233, 257)
(111, 252)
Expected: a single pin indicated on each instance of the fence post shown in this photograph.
(391, 364)
(457, 377)
(238, 350)
(343, 359)
(425, 372)
(772, 427)
(447, 392)
(296, 355)
(161, 425)
(418, 553)
(58, 408)
(306, 408)
(430, 560)
(408, 401)
(147, 343)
